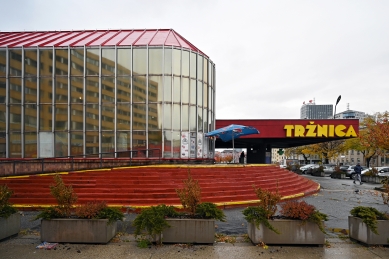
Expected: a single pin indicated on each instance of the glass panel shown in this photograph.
(61, 62)
(205, 87)
(168, 62)
(193, 91)
(30, 146)
(15, 117)
(61, 117)
(123, 117)
(199, 93)
(155, 142)
(30, 90)
(61, 90)
(30, 63)
(123, 89)
(92, 142)
(185, 117)
(176, 117)
(193, 59)
(139, 142)
(15, 145)
(139, 89)
(199, 67)
(200, 119)
(15, 62)
(139, 116)
(92, 62)
(168, 144)
(108, 62)
(192, 118)
(76, 117)
(210, 97)
(15, 90)
(140, 61)
(108, 89)
(77, 59)
(46, 90)
(45, 119)
(107, 143)
(176, 144)
(46, 62)
(167, 116)
(3, 60)
(2, 119)
(123, 141)
(153, 120)
(210, 73)
(205, 119)
(176, 62)
(176, 90)
(76, 143)
(167, 93)
(205, 73)
(92, 117)
(108, 116)
(92, 90)
(155, 89)
(30, 118)
(77, 89)
(61, 144)
(185, 90)
(3, 150)
(124, 62)
(3, 88)
(155, 61)
(185, 63)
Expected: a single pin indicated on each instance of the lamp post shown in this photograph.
(337, 101)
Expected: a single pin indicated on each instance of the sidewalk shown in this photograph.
(336, 198)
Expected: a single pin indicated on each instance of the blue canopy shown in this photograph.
(231, 132)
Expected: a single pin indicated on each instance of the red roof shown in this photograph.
(151, 37)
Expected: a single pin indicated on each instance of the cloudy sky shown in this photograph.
(270, 56)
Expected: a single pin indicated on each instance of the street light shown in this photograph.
(337, 101)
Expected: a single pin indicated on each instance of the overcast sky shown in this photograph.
(270, 56)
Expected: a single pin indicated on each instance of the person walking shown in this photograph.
(357, 176)
(241, 158)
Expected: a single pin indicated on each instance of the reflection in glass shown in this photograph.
(176, 62)
(61, 144)
(92, 117)
(15, 117)
(193, 86)
(155, 141)
(205, 119)
(108, 144)
(205, 72)
(76, 143)
(168, 62)
(199, 67)
(2, 120)
(139, 117)
(92, 90)
(15, 147)
(123, 121)
(176, 90)
(46, 62)
(155, 61)
(15, 62)
(61, 62)
(61, 117)
(61, 90)
(30, 63)
(123, 89)
(139, 142)
(108, 62)
(123, 141)
(108, 116)
(176, 144)
(15, 90)
(30, 145)
(200, 119)
(77, 89)
(92, 143)
(77, 59)
(192, 118)
(30, 118)
(3, 94)
(45, 90)
(76, 117)
(185, 90)
(176, 117)
(167, 89)
(185, 63)
(193, 61)
(139, 61)
(167, 153)
(167, 116)
(185, 118)
(45, 120)
(30, 90)
(205, 87)
(199, 93)
(155, 89)
(124, 62)
(139, 89)
(153, 117)
(108, 89)
(3, 60)
(92, 62)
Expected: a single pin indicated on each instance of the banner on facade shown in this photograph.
(185, 145)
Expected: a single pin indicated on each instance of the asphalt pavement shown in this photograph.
(336, 198)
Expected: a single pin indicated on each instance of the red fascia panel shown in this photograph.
(106, 37)
(159, 38)
(275, 128)
(145, 38)
(131, 39)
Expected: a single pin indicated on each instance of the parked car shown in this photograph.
(349, 170)
(282, 166)
(328, 169)
(384, 171)
(307, 169)
(379, 169)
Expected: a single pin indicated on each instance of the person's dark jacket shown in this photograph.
(358, 169)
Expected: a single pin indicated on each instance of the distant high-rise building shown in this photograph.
(314, 111)
(351, 114)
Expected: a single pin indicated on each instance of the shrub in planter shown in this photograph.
(9, 216)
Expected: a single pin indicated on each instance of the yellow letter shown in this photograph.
(339, 130)
(311, 131)
(331, 131)
(289, 129)
(322, 131)
(299, 131)
(351, 132)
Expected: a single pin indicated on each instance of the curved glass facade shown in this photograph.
(57, 102)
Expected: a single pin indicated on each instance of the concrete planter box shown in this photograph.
(294, 232)
(321, 174)
(9, 226)
(371, 179)
(77, 230)
(200, 231)
(361, 232)
(338, 176)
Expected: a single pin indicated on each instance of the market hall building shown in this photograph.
(84, 93)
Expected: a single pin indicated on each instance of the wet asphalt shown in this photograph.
(336, 198)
